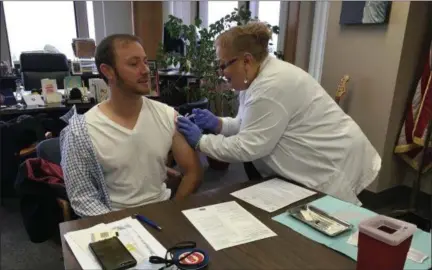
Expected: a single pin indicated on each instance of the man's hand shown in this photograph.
(190, 131)
(189, 162)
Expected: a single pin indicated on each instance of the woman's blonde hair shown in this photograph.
(252, 38)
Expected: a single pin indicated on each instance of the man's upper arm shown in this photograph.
(186, 157)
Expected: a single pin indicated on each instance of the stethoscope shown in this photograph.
(184, 255)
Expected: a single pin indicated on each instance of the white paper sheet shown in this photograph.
(273, 194)
(227, 224)
(132, 234)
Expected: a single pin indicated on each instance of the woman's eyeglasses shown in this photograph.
(184, 255)
(222, 67)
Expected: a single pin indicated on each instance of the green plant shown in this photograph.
(200, 58)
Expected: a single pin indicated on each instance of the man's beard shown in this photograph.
(122, 84)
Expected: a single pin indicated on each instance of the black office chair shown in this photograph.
(49, 150)
(188, 107)
(37, 66)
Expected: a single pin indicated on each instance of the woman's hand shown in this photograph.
(190, 131)
(207, 120)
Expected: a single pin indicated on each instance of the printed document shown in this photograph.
(140, 243)
(227, 224)
(273, 194)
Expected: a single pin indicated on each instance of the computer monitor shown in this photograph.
(7, 97)
(172, 44)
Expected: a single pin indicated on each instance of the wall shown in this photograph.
(99, 20)
(291, 31)
(81, 19)
(380, 60)
(4, 44)
(118, 17)
(318, 40)
(167, 9)
(148, 24)
(304, 34)
(112, 17)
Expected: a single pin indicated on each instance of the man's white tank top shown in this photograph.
(133, 161)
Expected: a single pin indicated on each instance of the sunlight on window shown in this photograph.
(269, 12)
(90, 19)
(33, 24)
(218, 9)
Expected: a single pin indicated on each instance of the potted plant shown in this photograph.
(195, 60)
(200, 60)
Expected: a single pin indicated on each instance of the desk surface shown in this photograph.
(288, 250)
(40, 109)
(54, 107)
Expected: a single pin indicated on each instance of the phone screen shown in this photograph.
(112, 254)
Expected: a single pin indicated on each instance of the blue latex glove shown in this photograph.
(190, 131)
(206, 120)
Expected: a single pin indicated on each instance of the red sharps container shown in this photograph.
(383, 243)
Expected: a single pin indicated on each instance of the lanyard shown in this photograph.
(185, 256)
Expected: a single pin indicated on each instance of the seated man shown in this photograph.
(113, 157)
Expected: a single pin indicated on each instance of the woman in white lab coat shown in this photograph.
(286, 124)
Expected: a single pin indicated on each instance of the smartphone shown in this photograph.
(112, 254)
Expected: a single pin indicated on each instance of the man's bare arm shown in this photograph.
(189, 162)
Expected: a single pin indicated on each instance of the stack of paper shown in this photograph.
(227, 224)
(140, 243)
(273, 194)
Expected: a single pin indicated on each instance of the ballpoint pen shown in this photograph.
(147, 221)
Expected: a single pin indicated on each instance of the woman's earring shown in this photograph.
(245, 81)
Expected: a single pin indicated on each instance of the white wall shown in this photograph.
(118, 17)
(81, 19)
(112, 17)
(167, 9)
(98, 13)
(185, 10)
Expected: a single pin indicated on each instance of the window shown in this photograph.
(33, 24)
(268, 11)
(218, 9)
(90, 19)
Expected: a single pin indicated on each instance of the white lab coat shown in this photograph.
(288, 125)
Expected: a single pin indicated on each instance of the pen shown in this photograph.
(147, 221)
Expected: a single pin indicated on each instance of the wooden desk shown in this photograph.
(55, 110)
(288, 250)
(57, 107)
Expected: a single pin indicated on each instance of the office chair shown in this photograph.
(188, 107)
(36, 66)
